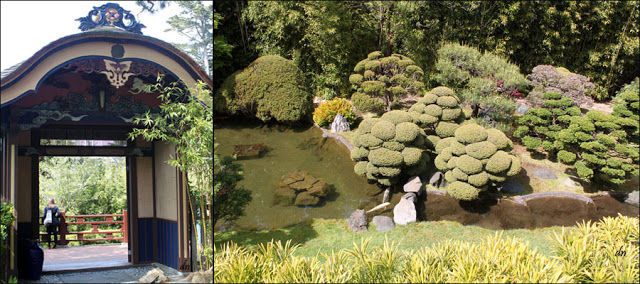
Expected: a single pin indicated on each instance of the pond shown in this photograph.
(292, 149)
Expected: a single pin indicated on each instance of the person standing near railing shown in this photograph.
(50, 218)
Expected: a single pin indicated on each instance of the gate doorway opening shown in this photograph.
(91, 193)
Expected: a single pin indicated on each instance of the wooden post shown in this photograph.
(63, 229)
(125, 226)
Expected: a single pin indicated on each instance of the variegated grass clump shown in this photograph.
(587, 254)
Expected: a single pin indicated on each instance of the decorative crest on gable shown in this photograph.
(111, 15)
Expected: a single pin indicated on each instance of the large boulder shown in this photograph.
(306, 199)
(404, 212)
(358, 221)
(340, 124)
(284, 196)
(383, 223)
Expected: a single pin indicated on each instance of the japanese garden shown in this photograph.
(423, 142)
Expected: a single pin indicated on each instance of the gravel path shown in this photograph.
(116, 275)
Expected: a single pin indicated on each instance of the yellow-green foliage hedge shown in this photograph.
(271, 87)
(586, 254)
(325, 113)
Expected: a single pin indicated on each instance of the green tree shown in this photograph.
(186, 121)
(386, 78)
(221, 49)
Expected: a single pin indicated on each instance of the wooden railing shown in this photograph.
(81, 220)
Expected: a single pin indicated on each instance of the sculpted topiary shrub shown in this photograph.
(438, 113)
(475, 158)
(270, 88)
(626, 106)
(325, 113)
(539, 127)
(384, 79)
(598, 148)
(388, 147)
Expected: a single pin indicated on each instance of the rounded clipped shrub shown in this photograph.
(451, 114)
(442, 91)
(446, 129)
(459, 175)
(397, 116)
(366, 125)
(360, 168)
(368, 141)
(440, 163)
(481, 150)
(457, 148)
(428, 98)
(406, 132)
(444, 143)
(499, 162)
(462, 190)
(270, 88)
(385, 157)
(384, 130)
(498, 138)
(359, 153)
(411, 156)
(469, 165)
(325, 113)
(479, 179)
(470, 133)
(447, 101)
(393, 146)
(432, 110)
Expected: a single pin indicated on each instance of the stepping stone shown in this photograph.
(413, 185)
(383, 223)
(544, 174)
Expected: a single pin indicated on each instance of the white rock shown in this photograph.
(404, 212)
(413, 185)
(339, 124)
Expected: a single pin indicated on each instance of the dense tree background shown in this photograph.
(326, 39)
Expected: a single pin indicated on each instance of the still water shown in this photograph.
(292, 149)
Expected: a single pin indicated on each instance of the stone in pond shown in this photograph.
(286, 182)
(413, 185)
(383, 223)
(249, 150)
(319, 189)
(339, 124)
(511, 186)
(544, 173)
(304, 184)
(404, 212)
(358, 221)
(437, 179)
(284, 196)
(306, 199)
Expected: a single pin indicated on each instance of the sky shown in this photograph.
(28, 26)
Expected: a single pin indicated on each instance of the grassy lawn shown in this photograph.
(325, 235)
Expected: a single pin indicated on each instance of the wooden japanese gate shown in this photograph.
(87, 86)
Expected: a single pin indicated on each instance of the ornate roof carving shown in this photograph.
(111, 15)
